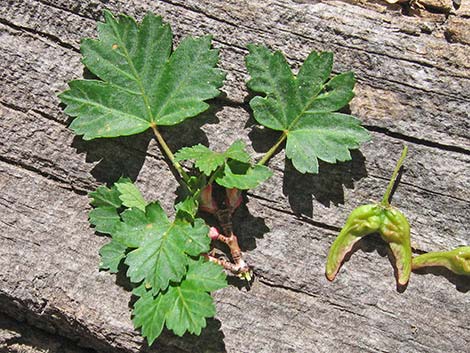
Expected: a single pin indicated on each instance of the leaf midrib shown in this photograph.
(162, 249)
(177, 89)
(305, 108)
(134, 71)
(185, 305)
(111, 110)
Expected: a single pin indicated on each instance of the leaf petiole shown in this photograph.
(273, 149)
(385, 200)
(215, 173)
(170, 155)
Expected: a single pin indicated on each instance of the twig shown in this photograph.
(225, 219)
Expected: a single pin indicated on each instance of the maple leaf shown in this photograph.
(303, 106)
(107, 201)
(129, 194)
(208, 161)
(112, 254)
(182, 306)
(104, 196)
(143, 82)
(105, 219)
(161, 247)
(233, 168)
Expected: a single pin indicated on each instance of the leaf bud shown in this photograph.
(207, 202)
(233, 198)
(214, 233)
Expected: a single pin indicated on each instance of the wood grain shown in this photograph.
(413, 87)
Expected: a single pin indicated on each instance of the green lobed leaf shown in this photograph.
(137, 226)
(104, 196)
(237, 152)
(184, 306)
(303, 107)
(233, 166)
(142, 82)
(242, 176)
(130, 195)
(105, 219)
(187, 209)
(161, 247)
(207, 161)
(327, 136)
(112, 254)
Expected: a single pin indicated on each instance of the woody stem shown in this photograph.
(232, 243)
(225, 219)
(222, 262)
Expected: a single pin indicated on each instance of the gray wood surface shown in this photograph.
(413, 87)
(16, 337)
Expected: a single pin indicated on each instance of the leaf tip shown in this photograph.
(250, 47)
(330, 276)
(108, 15)
(61, 95)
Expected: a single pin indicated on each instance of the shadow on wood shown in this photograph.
(326, 186)
(210, 340)
(371, 243)
(189, 132)
(461, 283)
(117, 157)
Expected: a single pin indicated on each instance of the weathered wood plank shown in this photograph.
(429, 184)
(418, 78)
(20, 338)
(413, 87)
(68, 295)
(298, 274)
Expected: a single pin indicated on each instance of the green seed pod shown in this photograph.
(362, 221)
(457, 260)
(381, 218)
(395, 230)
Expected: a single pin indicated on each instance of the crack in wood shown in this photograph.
(376, 79)
(293, 301)
(50, 37)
